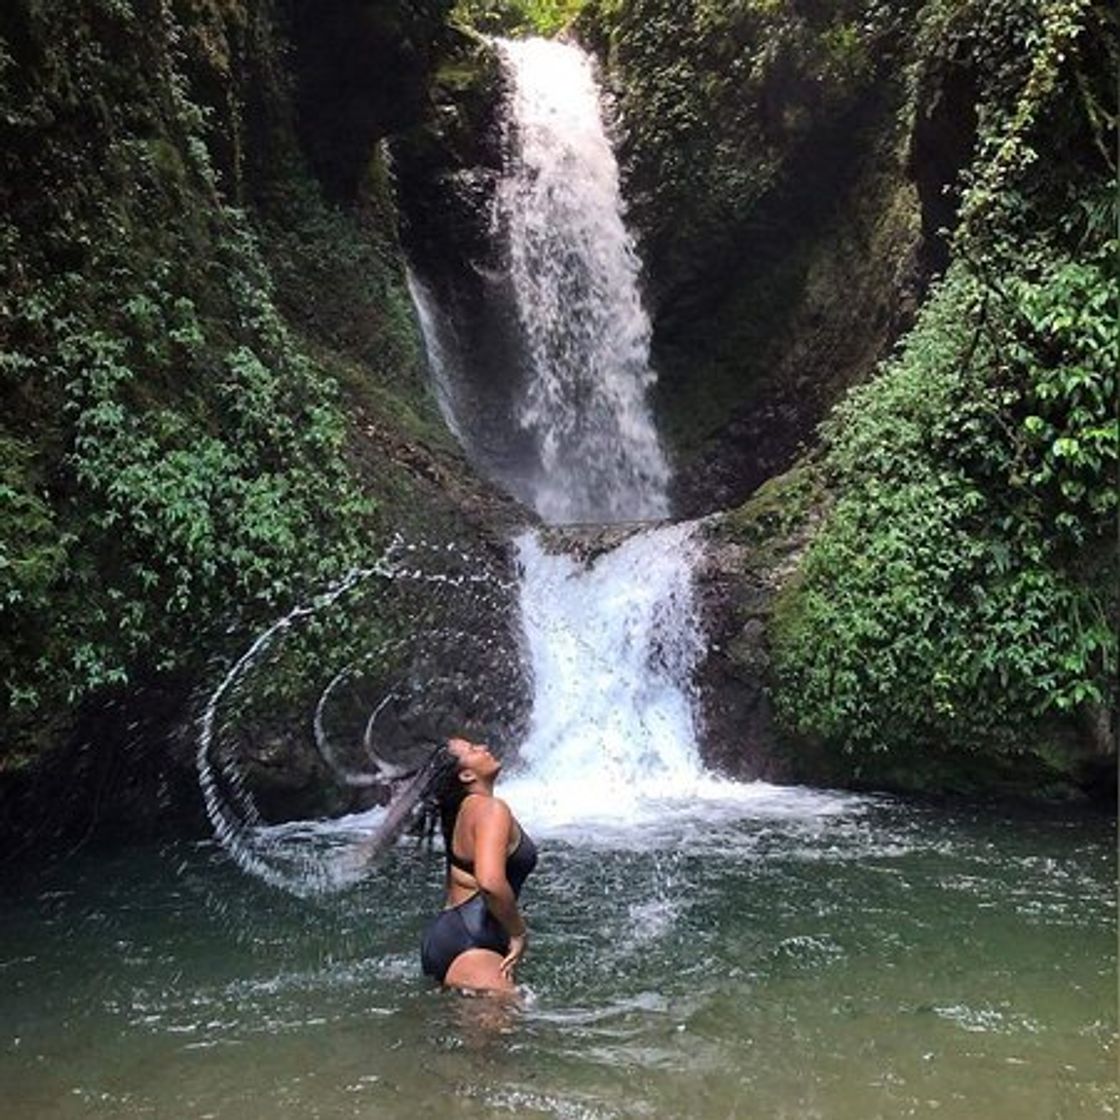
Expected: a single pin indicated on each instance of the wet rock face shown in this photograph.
(813, 306)
(737, 726)
(737, 586)
(757, 444)
(362, 69)
(124, 771)
(447, 167)
(447, 170)
(750, 554)
(587, 543)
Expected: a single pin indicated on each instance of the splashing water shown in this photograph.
(313, 857)
(612, 649)
(612, 755)
(612, 740)
(230, 806)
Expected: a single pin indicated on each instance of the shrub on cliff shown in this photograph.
(171, 460)
(511, 17)
(961, 586)
(963, 589)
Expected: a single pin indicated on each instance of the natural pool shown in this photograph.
(797, 955)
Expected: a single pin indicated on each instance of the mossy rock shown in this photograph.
(777, 509)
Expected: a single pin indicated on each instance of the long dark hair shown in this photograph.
(430, 795)
(443, 796)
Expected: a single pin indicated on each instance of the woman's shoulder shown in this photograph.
(487, 808)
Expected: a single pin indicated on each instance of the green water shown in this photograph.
(883, 961)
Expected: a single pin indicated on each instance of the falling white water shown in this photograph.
(575, 275)
(439, 343)
(613, 648)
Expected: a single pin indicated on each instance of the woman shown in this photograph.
(479, 938)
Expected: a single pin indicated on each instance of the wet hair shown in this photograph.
(443, 795)
(431, 794)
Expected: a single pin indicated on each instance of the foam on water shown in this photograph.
(612, 754)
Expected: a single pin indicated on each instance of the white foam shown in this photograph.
(612, 753)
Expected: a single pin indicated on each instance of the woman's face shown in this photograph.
(475, 759)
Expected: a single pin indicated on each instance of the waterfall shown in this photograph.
(575, 278)
(612, 644)
(440, 344)
(612, 648)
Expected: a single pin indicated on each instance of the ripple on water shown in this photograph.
(533, 1102)
(668, 981)
(987, 1019)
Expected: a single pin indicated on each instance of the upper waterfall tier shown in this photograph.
(526, 284)
(575, 279)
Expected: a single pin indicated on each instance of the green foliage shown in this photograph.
(517, 17)
(33, 552)
(339, 281)
(173, 463)
(1065, 447)
(964, 588)
(948, 603)
(963, 593)
(718, 99)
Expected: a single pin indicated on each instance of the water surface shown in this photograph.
(806, 956)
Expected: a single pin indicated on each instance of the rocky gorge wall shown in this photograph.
(767, 174)
(214, 394)
(215, 400)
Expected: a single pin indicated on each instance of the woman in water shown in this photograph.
(478, 939)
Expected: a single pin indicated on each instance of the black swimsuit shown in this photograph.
(470, 925)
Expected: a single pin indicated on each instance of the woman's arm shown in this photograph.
(492, 835)
(493, 826)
